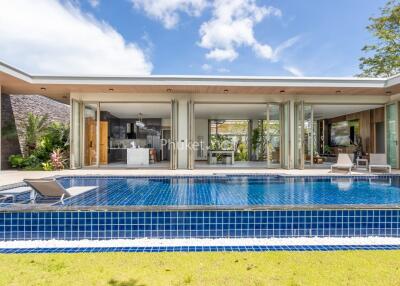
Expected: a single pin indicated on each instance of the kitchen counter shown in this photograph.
(137, 156)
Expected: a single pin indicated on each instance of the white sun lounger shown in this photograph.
(378, 161)
(344, 163)
(51, 189)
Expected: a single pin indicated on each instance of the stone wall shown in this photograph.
(15, 110)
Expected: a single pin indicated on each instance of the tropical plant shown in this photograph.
(384, 58)
(46, 145)
(258, 142)
(220, 142)
(55, 137)
(255, 139)
(47, 166)
(57, 159)
(241, 152)
(16, 161)
(34, 129)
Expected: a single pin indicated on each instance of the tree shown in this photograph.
(383, 58)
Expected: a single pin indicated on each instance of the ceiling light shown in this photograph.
(140, 123)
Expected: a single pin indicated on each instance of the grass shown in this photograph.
(234, 268)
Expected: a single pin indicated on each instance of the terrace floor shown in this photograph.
(13, 176)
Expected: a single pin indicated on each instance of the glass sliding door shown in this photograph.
(304, 135)
(392, 134)
(75, 134)
(90, 134)
(273, 135)
(308, 134)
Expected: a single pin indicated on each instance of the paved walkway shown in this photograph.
(12, 177)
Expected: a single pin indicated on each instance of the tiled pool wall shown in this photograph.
(75, 225)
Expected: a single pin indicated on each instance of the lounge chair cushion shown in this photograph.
(74, 191)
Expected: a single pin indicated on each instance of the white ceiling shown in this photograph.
(232, 111)
(224, 111)
(331, 111)
(258, 111)
(131, 110)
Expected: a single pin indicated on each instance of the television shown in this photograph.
(340, 134)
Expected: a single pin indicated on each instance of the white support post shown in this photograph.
(182, 133)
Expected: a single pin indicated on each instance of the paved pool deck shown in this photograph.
(13, 176)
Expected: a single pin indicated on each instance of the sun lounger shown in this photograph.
(344, 163)
(14, 192)
(51, 189)
(3, 198)
(378, 161)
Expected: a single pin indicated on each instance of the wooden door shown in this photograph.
(103, 142)
(90, 142)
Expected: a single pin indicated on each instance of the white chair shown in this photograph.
(378, 161)
(343, 162)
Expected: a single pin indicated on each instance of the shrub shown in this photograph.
(47, 166)
(47, 145)
(16, 161)
(30, 162)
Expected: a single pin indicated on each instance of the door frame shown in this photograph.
(83, 129)
(266, 105)
(396, 103)
(74, 162)
(98, 107)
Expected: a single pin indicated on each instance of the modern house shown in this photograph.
(190, 122)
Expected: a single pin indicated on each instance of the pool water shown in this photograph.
(238, 191)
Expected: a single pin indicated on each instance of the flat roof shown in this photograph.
(15, 81)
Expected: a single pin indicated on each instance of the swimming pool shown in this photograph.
(235, 191)
(231, 206)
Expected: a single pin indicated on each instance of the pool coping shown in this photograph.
(157, 208)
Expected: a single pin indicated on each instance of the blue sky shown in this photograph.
(273, 38)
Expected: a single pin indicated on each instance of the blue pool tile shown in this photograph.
(202, 249)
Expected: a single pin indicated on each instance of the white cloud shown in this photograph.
(44, 37)
(232, 26)
(94, 3)
(294, 71)
(222, 55)
(167, 11)
(223, 70)
(206, 67)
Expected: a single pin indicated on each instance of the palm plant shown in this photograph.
(34, 129)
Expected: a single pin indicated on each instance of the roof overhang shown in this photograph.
(14, 81)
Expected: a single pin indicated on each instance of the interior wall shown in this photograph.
(367, 120)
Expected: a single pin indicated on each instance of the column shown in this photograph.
(182, 132)
(292, 130)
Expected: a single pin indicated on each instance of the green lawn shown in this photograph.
(215, 268)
